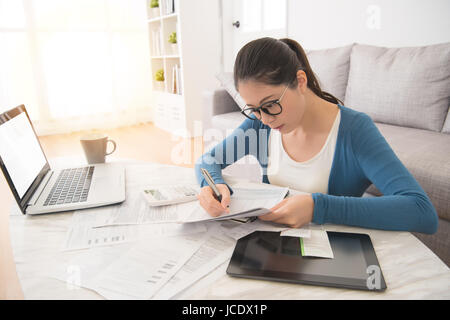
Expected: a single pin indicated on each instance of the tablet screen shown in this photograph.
(267, 255)
(275, 253)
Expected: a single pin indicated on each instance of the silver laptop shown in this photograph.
(36, 187)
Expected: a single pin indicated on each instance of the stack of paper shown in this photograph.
(245, 202)
(134, 251)
(144, 269)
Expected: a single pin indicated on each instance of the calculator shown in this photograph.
(173, 194)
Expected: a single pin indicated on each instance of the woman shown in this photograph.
(314, 144)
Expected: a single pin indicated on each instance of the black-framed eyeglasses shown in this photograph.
(272, 107)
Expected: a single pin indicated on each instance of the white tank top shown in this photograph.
(308, 176)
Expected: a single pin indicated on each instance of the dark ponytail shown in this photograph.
(276, 62)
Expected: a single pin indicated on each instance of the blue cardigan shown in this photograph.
(362, 157)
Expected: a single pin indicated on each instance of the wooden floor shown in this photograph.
(143, 142)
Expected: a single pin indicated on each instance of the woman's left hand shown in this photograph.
(294, 211)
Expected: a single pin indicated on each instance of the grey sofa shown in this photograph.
(406, 91)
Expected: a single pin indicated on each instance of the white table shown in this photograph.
(410, 269)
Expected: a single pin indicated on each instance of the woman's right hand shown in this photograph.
(211, 204)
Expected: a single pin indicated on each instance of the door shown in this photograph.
(246, 20)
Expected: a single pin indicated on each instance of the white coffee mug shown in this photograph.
(94, 146)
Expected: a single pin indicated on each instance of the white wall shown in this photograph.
(200, 40)
(322, 24)
(330, 23)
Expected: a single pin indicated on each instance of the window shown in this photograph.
(75, 64)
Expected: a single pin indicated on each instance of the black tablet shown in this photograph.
(269, 256)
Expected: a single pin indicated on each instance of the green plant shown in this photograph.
(159, 76)
(154, 4)
(173, 37)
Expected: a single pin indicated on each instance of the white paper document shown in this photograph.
(240, 231)
(317, 245)
(146, 267)
(83, 232)
(216, 249)
(134, 210)
(137, 211)
(243, 203)
(244, 229)
(85, 236)
(303, 232)
(78, 268)
(135, 251)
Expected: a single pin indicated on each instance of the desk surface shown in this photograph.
(411, 270)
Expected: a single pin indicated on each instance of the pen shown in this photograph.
(210, 182)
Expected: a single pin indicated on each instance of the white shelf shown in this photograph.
(158, 19)
(180, 112)
(169, 107)
(169, 16)
(166, 57)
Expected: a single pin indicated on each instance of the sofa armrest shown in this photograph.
(217, 102)
(223, 103)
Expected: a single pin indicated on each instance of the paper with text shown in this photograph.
(146, 267)
(317, 245)
(78, 268)
(242, 204)
(83, 233)
(134, 210)
(214, 251)
(240, 231)
(303, 232)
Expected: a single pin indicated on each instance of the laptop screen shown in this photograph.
(21, 152)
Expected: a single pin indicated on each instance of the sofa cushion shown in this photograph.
(331, 67)
(426, 154)
(403, 86)
(226, 79)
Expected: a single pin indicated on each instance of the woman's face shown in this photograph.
(292, 103)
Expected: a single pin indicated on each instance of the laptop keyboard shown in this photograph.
(71, 186)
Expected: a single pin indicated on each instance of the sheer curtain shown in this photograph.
(75, 64)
